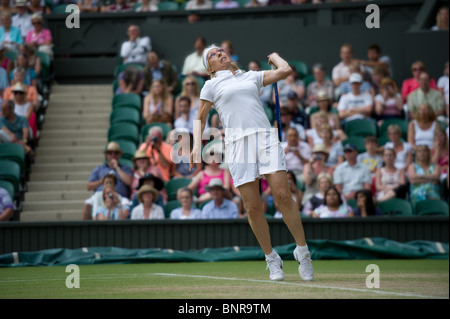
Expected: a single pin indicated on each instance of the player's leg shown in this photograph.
(281, 193)
(253, 206)
(278, 183)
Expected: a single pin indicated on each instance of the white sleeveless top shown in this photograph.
(390, 179)
(21, 109)
(424, 137)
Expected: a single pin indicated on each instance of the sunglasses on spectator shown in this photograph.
(18, 92)
(417, 69)
(113, 153)
(190, 83)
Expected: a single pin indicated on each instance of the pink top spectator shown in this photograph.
(412, 84)
(205, 181)
(40, 38)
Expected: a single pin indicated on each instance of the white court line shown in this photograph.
(132, 276)
(381, 292)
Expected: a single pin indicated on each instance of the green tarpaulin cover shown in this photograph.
(364, 248)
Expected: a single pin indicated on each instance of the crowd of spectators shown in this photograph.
(26, 56)
(330, 175)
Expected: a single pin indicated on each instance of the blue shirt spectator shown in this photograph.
(123, 173)
(219, 207)
(227, 209)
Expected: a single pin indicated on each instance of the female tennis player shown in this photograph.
(252, 148)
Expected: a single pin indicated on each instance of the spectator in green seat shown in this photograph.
(424, 176)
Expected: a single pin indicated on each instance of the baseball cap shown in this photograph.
(292, 95)
(350, 146)
(355, 77)
(214, 182)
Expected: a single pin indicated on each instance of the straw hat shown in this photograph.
(18, 87)
(320, 148)
(322, 96)
(140, 154)
(147, 189)
(113, 146)
(21, 3)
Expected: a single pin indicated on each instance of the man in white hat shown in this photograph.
(219, 207)
(22, 20)
(355, 104)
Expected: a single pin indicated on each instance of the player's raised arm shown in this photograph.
(281, 72)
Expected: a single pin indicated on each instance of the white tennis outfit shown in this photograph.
(252, 148)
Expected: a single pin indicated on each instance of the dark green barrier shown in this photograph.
(365, 248)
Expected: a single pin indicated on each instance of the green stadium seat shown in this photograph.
(242, 3)
(11, 55)
(9, 187)
(126, 162)
(307, 80)
(300, 66)
(167, 5)
(45, 64)
(127, 100)
(431, 207)
(174, 184)
(128, 148)
(264, 65)
(396, 206)
(123, 131)
(14, 152)
(201, 205)
(351, 203)
(170, 206)
(269, 113)
(10, 171)
(61, 8)
(125, 115)
(360, 127)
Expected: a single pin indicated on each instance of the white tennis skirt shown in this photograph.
(252, 156)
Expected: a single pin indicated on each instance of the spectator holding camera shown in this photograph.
(111, 208)
(92, 204)
(158, 151)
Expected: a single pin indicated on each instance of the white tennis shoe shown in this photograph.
(305, 268)
(275, 266)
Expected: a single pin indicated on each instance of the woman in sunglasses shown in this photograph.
(40, 37)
